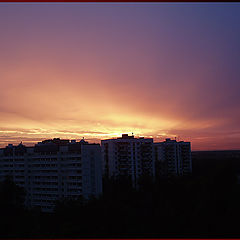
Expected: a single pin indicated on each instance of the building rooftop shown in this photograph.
(125, 136)
(49, 144)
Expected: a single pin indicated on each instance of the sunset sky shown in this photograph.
(99, 70)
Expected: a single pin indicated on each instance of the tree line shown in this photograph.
(190, 206)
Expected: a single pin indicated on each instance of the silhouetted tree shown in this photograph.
(11, 207)
(188, 206)
(12, 196)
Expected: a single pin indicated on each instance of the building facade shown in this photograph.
(128, 156)
(173, 158)
(53, 170)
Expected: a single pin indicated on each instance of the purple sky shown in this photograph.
(99, 70)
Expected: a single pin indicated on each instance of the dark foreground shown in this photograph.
(199, 206)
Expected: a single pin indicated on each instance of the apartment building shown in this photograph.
(173, 158)
(53, 170)
(128, 156)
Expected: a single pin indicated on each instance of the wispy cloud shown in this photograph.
(99, 71)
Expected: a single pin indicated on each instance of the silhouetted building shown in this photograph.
(173, 158)
(53, 170)
(128, 156)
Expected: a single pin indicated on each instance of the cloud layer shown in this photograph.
(99, 70)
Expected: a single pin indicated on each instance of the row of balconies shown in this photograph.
(50, 159)
(44, 189)
(44, 171)
(67, 165)
(45, 195)
(6, 172)
(6, 159)
(47, 178)
(42, 201)
(67, 159)
(45, 183)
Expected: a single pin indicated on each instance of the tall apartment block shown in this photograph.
(53, 170)
(173, 158)
(128, 156)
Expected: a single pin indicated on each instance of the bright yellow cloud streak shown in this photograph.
(59, 104)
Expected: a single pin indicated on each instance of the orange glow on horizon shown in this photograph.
(86, 71)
